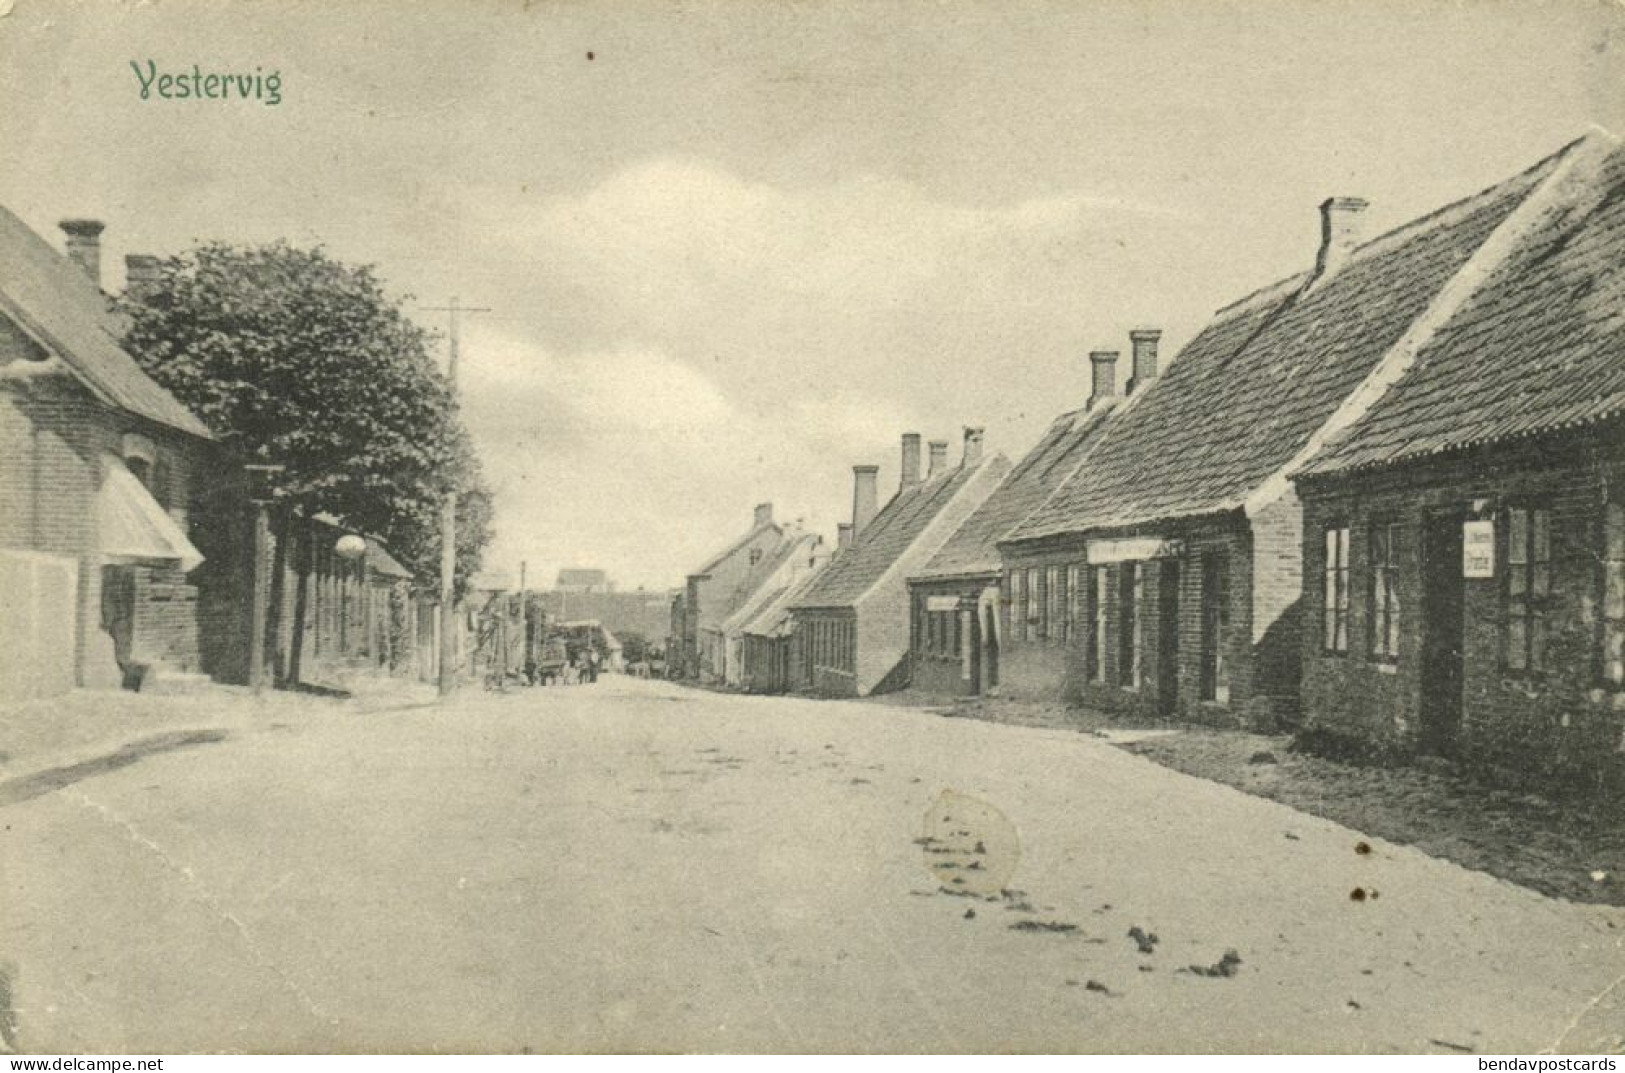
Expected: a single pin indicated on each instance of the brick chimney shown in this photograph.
(843, 535)
(1102, 375)
(85, 245)
(910, 469)
(1341, 220)
(1144, 342)
(141, 273)
(865, 498)
(764, 515)
(973, 445)
(939, 458)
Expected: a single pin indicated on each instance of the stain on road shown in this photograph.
(40, 783)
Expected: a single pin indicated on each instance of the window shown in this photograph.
(1613, 595)
(1074, 597)
(1131, 578)
(1034, 606)
(1529, 583)
(755, 556)
(1336, 633)
(958, 621)
(1018, 605)
(1385, 592)
(1098, 642)
(1053, 602)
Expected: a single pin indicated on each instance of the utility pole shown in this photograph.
(448, 507)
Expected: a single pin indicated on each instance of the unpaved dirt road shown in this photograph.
(631, 866)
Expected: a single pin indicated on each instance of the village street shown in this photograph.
(632, 865)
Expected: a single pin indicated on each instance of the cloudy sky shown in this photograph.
(732, 249)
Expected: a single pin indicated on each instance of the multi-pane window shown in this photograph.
(1336, 630)
(1030, 624)
(1018, 604)
(1098, 639)
(1053, 603)
(1385, 592)
(1613, 594)
(1529, 584)
(1074, 600)
(1131, 646)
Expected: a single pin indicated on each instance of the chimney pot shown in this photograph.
(973, 445)
(865, 498)
(84, 243)
(1144, 342)
(911, 460)
(1340, 229)
(764, 514)
(1102, 375)
(939, 458)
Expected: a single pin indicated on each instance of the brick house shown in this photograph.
(850, 627)
(124, 528)
(957, 636)
(716, 590)
(1188, 533)
(1464, 534)
(765, 645)
(799, 556)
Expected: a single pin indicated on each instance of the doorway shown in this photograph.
(1442, 628)
(1168, 638)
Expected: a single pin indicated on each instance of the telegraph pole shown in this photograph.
(448, 507)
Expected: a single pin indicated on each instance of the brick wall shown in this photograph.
(1259, 679)
(1563, 723)
(930, 671)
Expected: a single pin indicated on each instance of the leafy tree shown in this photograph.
(292, 357)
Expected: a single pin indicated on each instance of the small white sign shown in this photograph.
(1478, 549)
(942, 603)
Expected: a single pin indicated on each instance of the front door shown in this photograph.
(1441, 634)
(1168, 638)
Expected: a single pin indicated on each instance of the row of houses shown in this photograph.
(126, 528)
(1381, 500)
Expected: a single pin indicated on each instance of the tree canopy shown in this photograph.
(292, 357)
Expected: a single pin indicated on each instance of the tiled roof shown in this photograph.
(53, 299)
(1538, 347)
(773, 620)
(1244, 397)
(887, 537)
(1064, 445)
(795, 544)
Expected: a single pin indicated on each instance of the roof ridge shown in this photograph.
(1404, 231)
(1467, 280)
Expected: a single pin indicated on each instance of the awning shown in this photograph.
(132, 527)
(1133, 550)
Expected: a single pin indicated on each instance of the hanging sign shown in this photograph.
(1477, 549)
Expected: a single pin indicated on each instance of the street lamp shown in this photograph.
(262, 491)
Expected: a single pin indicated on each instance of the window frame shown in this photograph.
(1099, 623)
(1523, 577)
(1337, 597)
(1383, 638)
